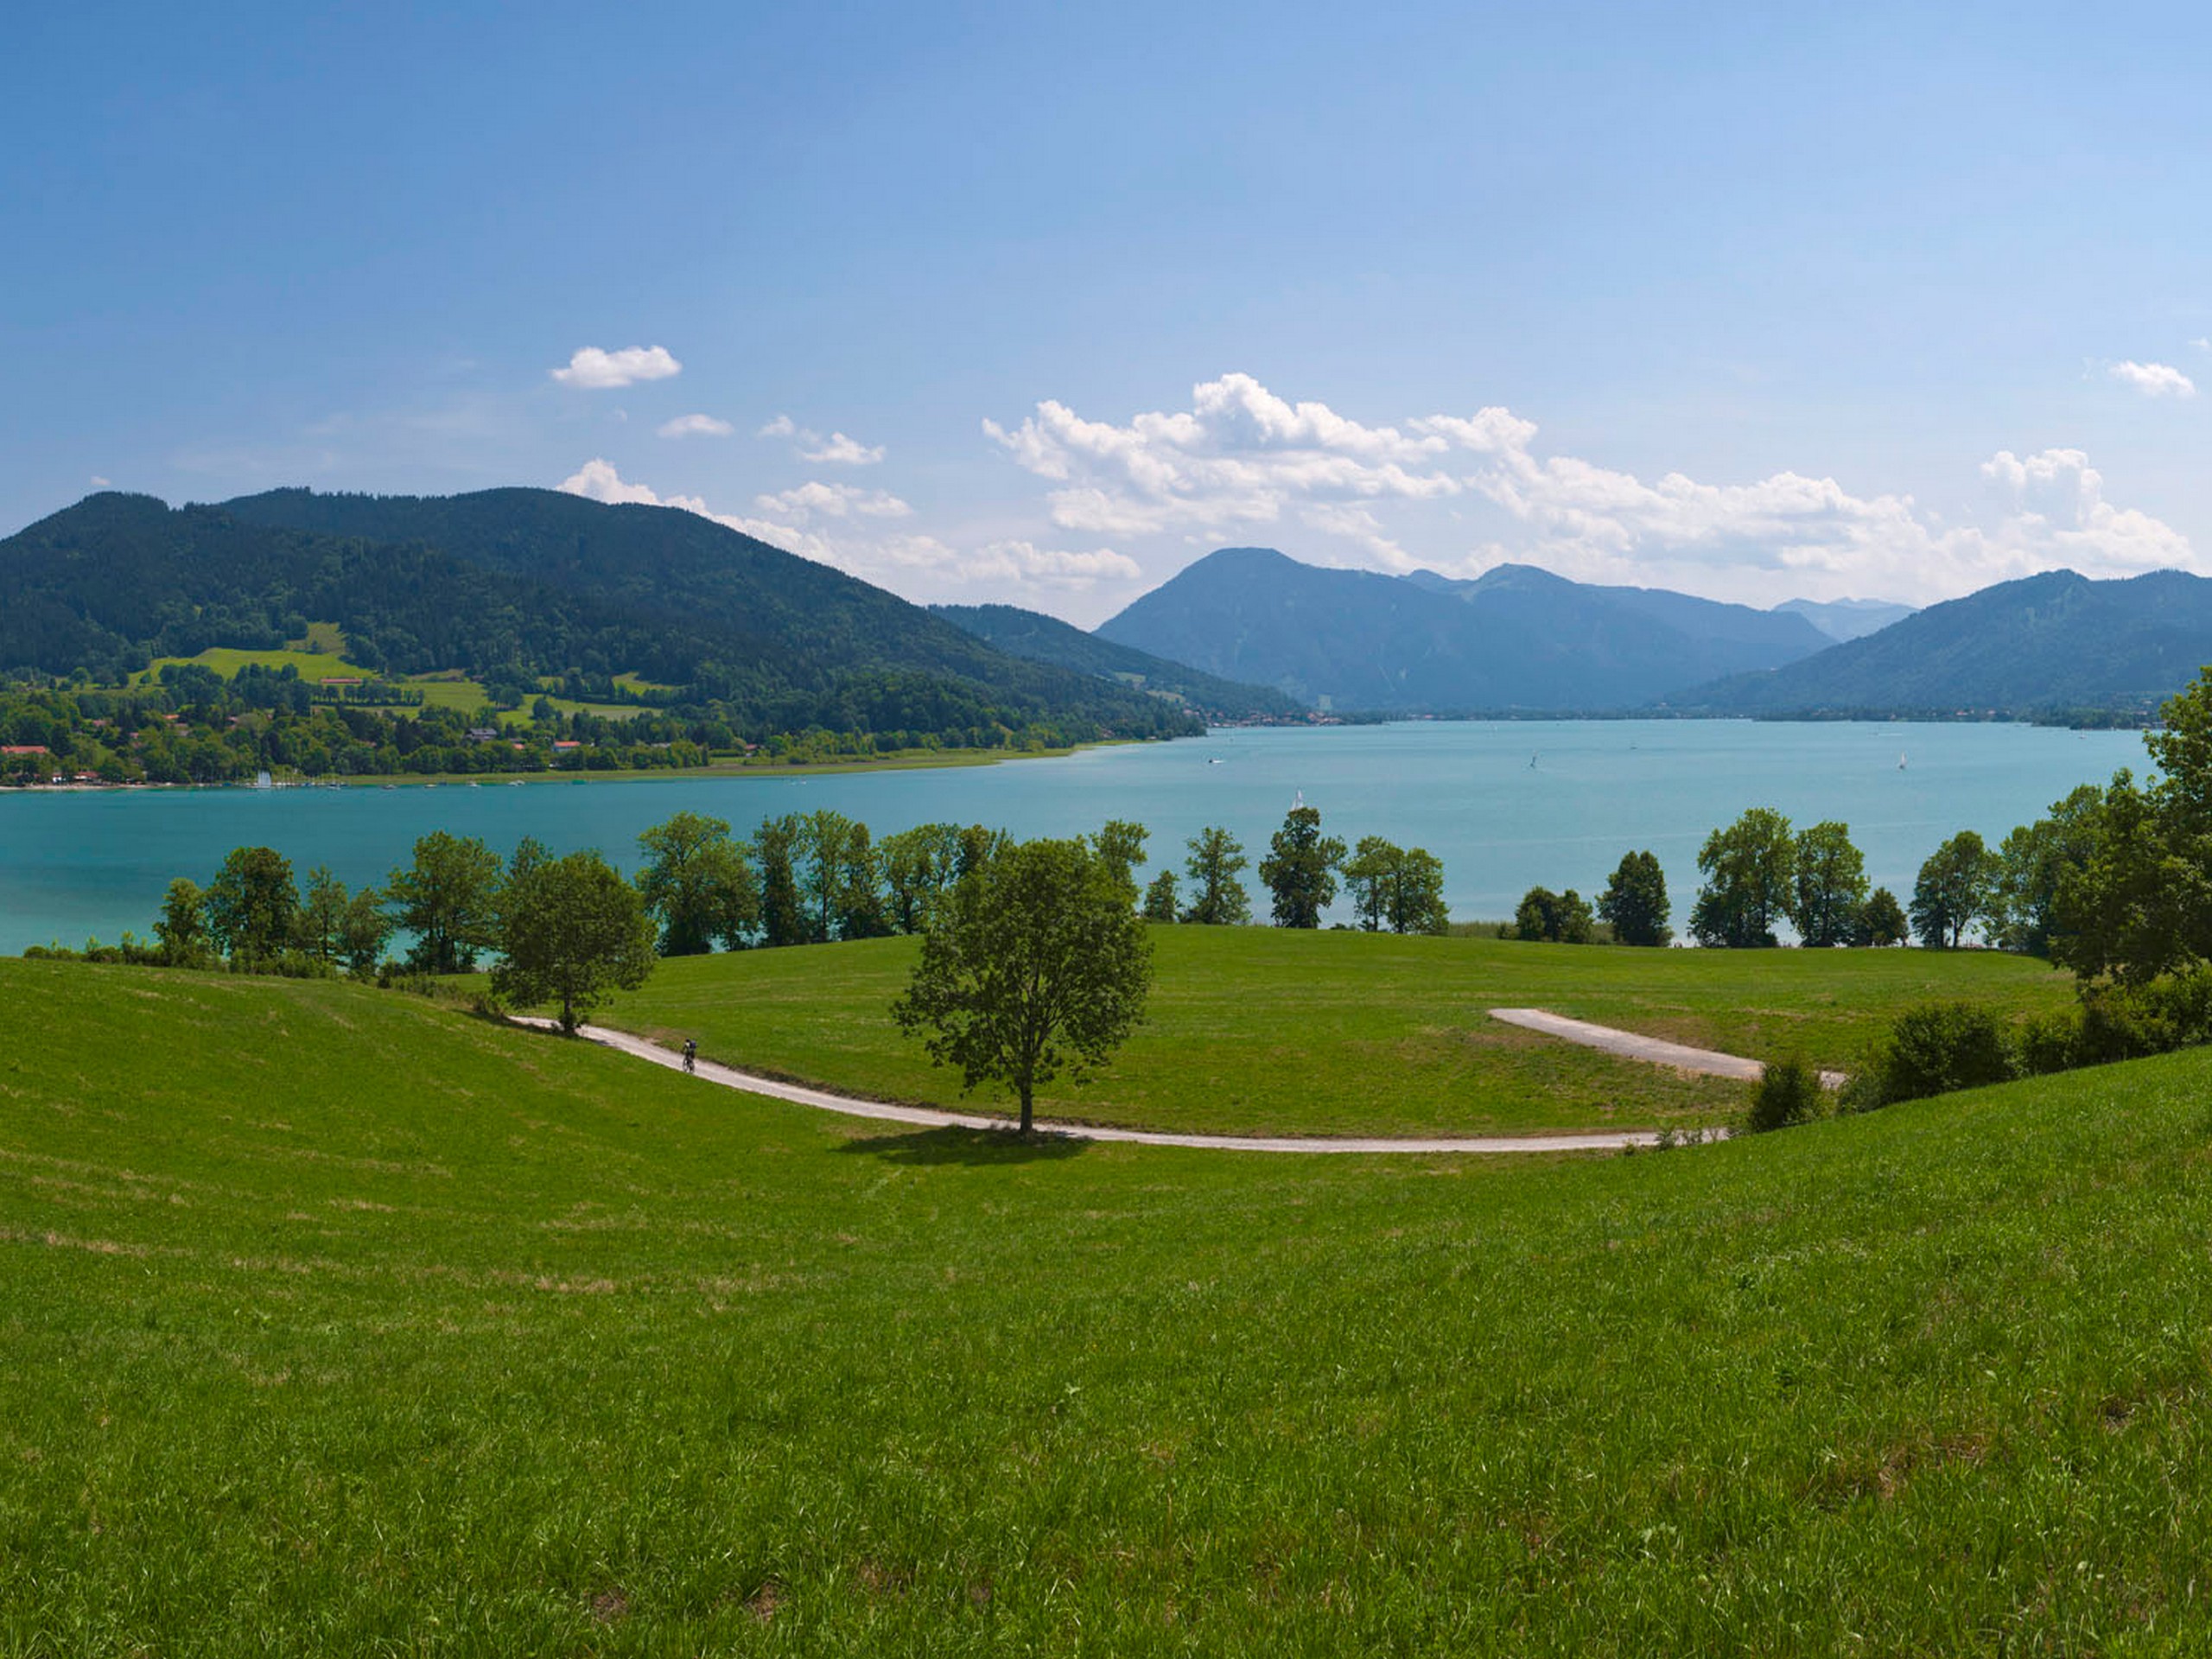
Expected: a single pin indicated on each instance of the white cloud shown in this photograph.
(2153, 379)
(853, 543)
(596, 370)
(836, 449)
(2201, 343)
(1242, 460)
(696, 426)
(99, 483)
(833, 501)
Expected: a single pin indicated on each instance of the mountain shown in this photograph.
(511, 585)
(1516, 637)
(2051, 642)
(1041, 638)
(1848, 619)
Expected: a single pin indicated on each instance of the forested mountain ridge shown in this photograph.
(1517, 637)
(513, 585)
(1042, 638)
(2049, 643)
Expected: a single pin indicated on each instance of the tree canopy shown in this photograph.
(1748, 868)
(1300, 868)
(1033, 964)
(1635, 904)
(1217, 898)
(570, 931)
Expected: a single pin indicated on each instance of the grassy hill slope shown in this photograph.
(337, 1322)
(1266, 1031)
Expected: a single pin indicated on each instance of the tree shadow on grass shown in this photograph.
(961, 1146)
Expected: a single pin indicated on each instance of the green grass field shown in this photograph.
(1266, 1031)
(336, 1320)
(312, 665)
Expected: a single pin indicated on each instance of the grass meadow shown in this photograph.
(1268, 1031)
(339, 1321)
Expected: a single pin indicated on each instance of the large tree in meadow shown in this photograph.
(571, 931)
(1032, 965)
(1748, 868)
(1300, 868)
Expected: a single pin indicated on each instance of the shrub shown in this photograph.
(1934, 1049)
(1786, 1093)
(2051, 1042)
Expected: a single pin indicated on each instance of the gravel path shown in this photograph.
(1706, 1061)
(927, 1117)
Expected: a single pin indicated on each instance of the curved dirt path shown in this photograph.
(928, 1117)
(1628, 1045)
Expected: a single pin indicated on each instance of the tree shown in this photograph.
(1215, 857)
(1370, 874)
(183, 929)
(1634, 903)
(917, 864)
(362, 931)
(1119, 845)
(448, 899)
(2035, 860)
(323, 913)
(1159, 900)
(783, 911)
(697, 886)
(859, 902)
(1416, 893)
(570, 931)
(1747, 868)
(1300, 868)
(822, 840)
(1881, 922)
(1561, 917)
(1953, 892)
(1034, 963)
(252, 908)
(1828, 886)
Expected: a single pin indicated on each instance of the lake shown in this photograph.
(73, 865)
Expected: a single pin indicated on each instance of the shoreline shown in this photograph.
(951, 760)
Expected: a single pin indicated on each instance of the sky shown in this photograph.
(1036, 305)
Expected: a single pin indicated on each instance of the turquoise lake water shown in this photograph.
(78, 865)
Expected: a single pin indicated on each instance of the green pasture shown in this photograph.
(338, 1321)
(1255, 1030)
(312, 665)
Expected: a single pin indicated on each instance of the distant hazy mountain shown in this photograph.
(1041, 638)
(1848, 619)
(1516, 637)
(2053, 641)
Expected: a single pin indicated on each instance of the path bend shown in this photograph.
(930, 1117)
(1634, 1045)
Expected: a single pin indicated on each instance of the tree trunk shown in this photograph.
(568, 1017)
(1028, 1118)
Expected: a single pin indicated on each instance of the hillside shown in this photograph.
(1517, 637)
(339, 1321)
(2056, 641)
(513, 585)
(1040, 639)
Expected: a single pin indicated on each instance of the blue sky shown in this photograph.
(1037, 304)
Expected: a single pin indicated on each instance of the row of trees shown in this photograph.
(1393, 889)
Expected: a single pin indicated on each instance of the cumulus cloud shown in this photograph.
(100, 483)
(596, 370)
(1242, 460)
(836, 449)
(2153, 379)
(696, 426)
(854, 543)
(833, 501)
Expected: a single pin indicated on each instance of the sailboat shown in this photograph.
(1900, 760)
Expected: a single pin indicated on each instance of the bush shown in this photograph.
(1932, 1050)
(2051, 1042)
(1788, 1092)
